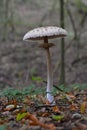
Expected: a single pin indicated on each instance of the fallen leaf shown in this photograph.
(47, 102)
(56, 109)
(9, 107)
(81, 126)
(73, 107)
(70, 96)
(35, 121)
(83, 107)
(45, 114)
(21, 116)
(13, 101)
(1, 122)
(58, 118)
(28, 101)
(41, 98)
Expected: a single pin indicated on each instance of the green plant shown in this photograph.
(79, 86)
(3, 127)
(12, 93)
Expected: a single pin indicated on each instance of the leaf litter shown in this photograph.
(34, 112)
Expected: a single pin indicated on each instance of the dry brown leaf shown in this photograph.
(46, 114)
(35, 121)
(81, 126)
(47, 102)
(28, 101)
(73, 107)
(47, 126)
(71, 95)
(1, 122)
(56, 109)
(32, 123)
(14, 102)
(41, 98)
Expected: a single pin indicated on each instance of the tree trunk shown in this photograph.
(62, 75)
(5, 26)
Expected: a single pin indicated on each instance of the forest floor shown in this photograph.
(20, 60)
(34, 112)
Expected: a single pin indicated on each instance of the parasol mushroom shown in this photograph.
(45, 33)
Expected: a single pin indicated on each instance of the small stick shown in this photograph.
(54, 86)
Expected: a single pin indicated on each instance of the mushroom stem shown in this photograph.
(49, 96)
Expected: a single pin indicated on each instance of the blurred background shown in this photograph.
(23, 63)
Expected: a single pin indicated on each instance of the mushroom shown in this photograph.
(45, 33)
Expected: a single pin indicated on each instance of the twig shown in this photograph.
(54, 86)
(83, 19)
(47, 106)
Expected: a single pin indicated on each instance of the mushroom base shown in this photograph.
(50, 98)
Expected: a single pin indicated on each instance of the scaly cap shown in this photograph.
(41, 32)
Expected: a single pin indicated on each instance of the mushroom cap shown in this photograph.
(41, 32)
